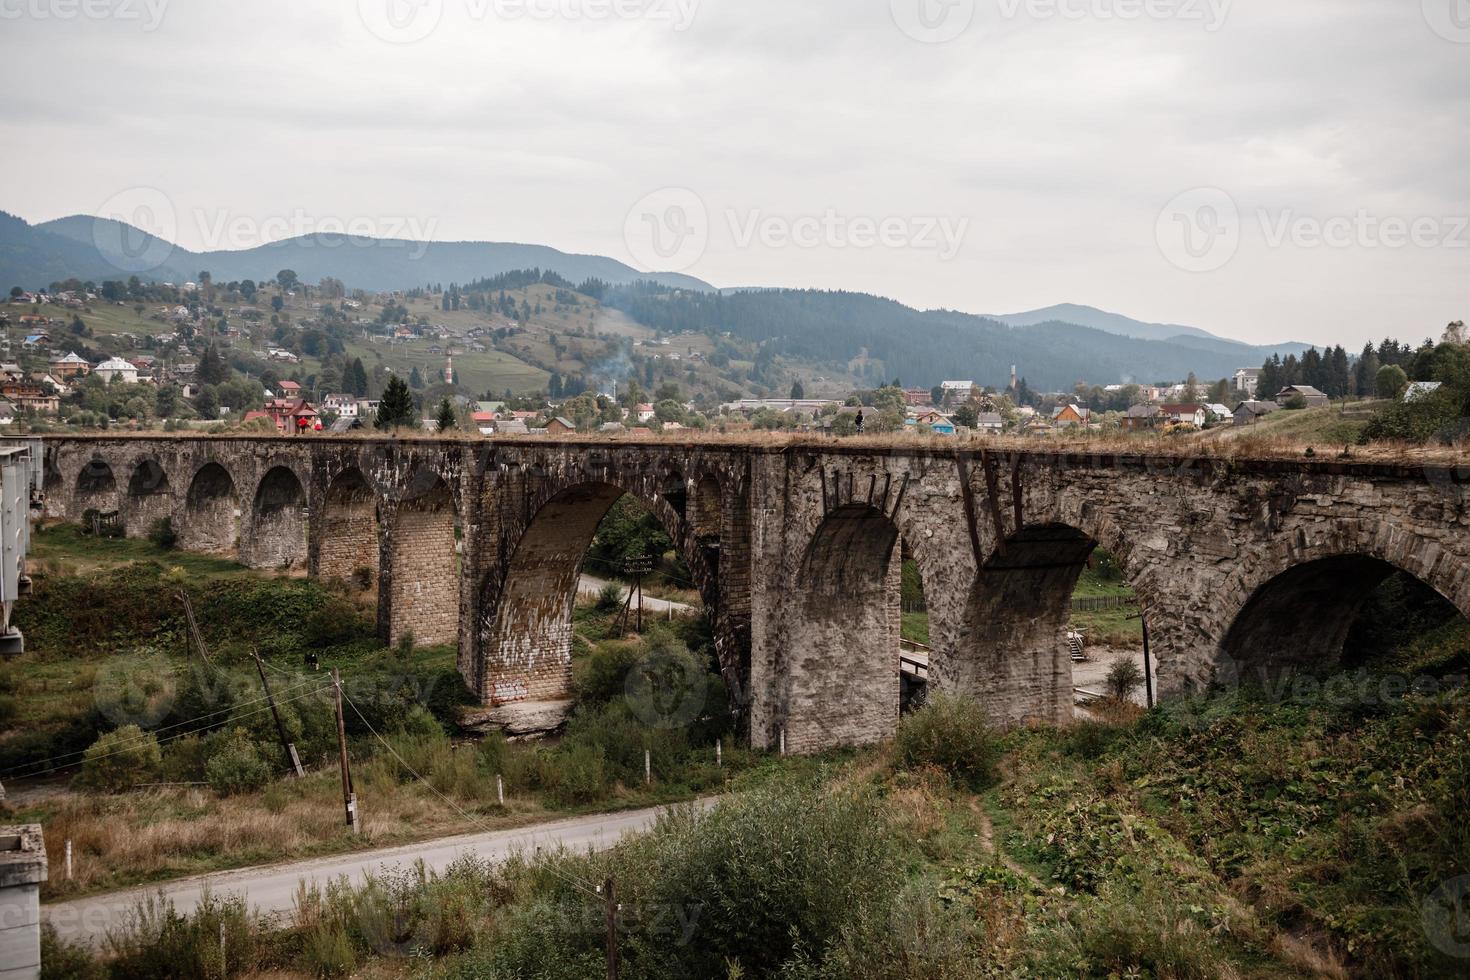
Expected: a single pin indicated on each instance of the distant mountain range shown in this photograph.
(86, 248)
(1053, 348)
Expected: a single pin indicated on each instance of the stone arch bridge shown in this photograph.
(1239, 564)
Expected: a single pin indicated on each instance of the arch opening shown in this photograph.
(350, 530)
(148, 498)
(278, 521)
(212, 513)
(423, 588)
(708, 512)
(1331, 613)
(96, 488)
(576, 542)
(843, 647)
(1018, 662)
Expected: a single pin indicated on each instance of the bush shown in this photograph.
(1123, 679)
(162, 534)
(235, 764)
(952, 735)
(64, 961)
(156, 942)
(121, 759)
(7, 709)
(335, 621)
(610, 599)
(184, 760)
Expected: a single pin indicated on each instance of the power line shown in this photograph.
(143, 737)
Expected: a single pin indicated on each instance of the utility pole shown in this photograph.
(349, 798)
(609, 894)
(1148, 670)
(293, 762)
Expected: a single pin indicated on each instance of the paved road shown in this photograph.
(592, 585)
(271, 890)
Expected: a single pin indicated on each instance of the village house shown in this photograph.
(30, 396)
(1186, 414)
(1070, 416)
(344, 406)
(1313, 397)
(69, 365)
(1247, 380)
(559, 426)
(1251, 412)
(990, 422)
(1215, 412)
(7, 413)
(288, 415)
(117, 369)
(1143, 417)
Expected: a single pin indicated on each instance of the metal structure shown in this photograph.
(20, 481)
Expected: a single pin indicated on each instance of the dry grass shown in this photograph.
(120, 841)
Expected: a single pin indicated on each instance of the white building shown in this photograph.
(117, 369)
(343, 406)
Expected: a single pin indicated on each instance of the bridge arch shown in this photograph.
(96, 487)
(211, 521)
(149, 497)
(277, 532)
(843, 641)
(350, 524)
(526, 605)
(1012, 656)
(1293, 609)
(422, 585)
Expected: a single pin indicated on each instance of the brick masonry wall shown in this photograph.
(349, 539)
(425, 581)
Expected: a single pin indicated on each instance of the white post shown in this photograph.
(68, 860)
(718, 761)
(783, 741)
(647, 767)
(500, 789)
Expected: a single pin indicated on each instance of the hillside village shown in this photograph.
(528, 353)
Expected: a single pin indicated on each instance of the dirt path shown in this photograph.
(271, 890)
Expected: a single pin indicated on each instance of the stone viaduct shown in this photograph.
(1239, 564)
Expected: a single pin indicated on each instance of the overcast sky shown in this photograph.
(1266, 169)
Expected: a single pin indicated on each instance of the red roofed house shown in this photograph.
(289, 415)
